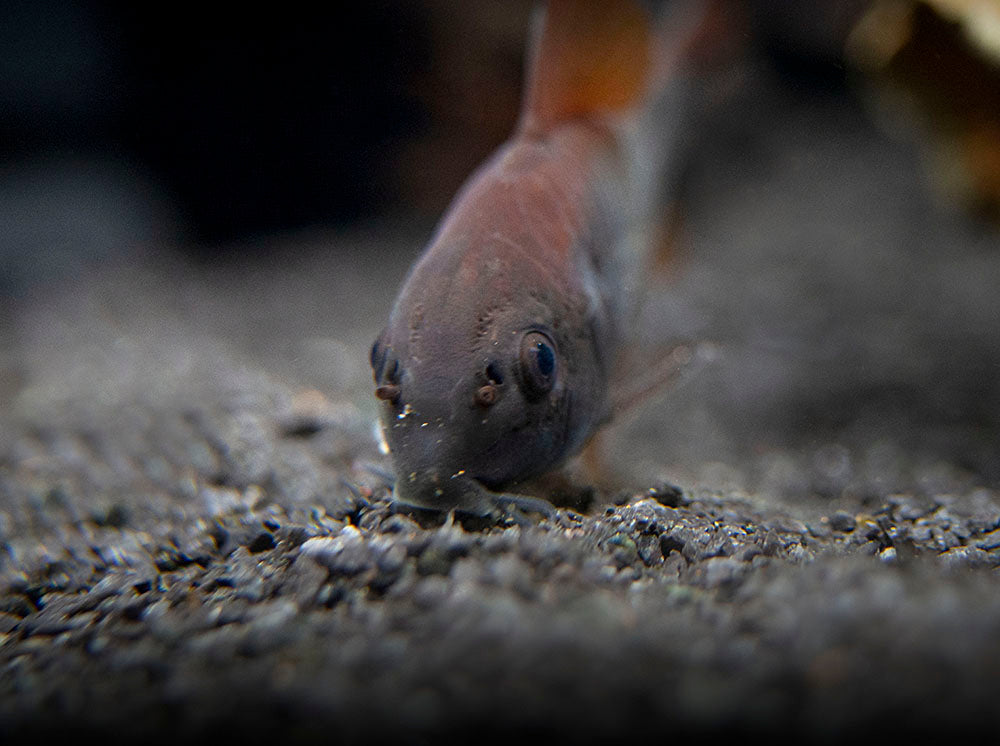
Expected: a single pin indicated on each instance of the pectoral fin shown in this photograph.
(637, 381)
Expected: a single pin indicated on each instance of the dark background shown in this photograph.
(211, 128)
(127, 124)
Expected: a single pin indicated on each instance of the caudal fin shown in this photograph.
(598, 57)
(591, 56)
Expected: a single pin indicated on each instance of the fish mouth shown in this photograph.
(467, 494)
(435, 489)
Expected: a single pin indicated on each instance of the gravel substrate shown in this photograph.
(191, 596)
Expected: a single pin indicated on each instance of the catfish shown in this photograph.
(495, 366)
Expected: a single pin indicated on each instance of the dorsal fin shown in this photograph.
(591, 57)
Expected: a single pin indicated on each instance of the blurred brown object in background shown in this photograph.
(470, 91)
(932, 69)
(935, 65)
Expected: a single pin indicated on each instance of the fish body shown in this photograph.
(494, 367)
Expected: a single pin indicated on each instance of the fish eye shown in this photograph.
(537, 364)
(377, 357)
(385, 365)
(494, 373)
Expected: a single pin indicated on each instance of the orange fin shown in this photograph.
(591, 57)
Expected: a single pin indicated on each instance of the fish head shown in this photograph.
(482, 386)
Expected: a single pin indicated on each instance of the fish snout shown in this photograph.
(438, 489)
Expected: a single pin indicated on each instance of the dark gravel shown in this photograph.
(195, 538)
